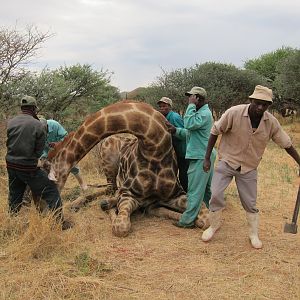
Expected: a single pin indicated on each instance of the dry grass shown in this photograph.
(157, 260)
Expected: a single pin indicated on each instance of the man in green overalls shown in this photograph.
(198, 121)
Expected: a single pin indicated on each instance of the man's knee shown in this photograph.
(249, 207)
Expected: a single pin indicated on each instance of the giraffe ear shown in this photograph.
(51, 175)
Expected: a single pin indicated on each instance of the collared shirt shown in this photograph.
(56, 133)
(240, 146)
(196, 131)
(179, 145)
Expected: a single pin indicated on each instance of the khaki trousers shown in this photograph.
(246, 185)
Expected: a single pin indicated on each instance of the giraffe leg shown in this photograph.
(202, 220)
(112, 214)
(164, 213)
(179, 204)
(81, 201)
(121, 224)
(111, 185)
(108, 204)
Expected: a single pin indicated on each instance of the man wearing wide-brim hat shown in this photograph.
(246, 130)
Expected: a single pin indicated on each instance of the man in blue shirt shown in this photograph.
(56, 133)
(198, 121)
(165, 107)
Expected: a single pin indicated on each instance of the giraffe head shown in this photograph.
(62, 160)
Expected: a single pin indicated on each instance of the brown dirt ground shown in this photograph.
(157, 260)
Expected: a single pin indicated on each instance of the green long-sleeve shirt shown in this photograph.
(56, 133)
(196, 131)
(179, 144)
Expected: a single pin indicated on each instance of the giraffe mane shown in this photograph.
(61, 145)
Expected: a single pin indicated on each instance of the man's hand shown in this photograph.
(206, 165)
(193, 99)
(40, 163)
(170, 127)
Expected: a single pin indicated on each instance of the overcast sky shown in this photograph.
(136, 39)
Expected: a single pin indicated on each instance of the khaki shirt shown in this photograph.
(239, 145)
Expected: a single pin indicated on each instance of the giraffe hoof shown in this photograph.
(104, 204)
(120, 233)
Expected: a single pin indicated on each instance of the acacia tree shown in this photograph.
(66, 94)
(17, 49)
(225, 84)
(271, 65)
(266, 64)
(287, 82)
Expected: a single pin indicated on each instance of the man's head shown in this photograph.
(261, 99)
(165, 105)
(197, 95)
(28, 103)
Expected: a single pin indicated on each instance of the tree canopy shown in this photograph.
(225, 84)
(71, 92)
(61, 93)
(266, 65)
(280, 68)
(287, 81)
(68, 91)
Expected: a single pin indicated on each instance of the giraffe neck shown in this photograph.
(139, 119)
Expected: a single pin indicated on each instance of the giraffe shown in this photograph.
(147, 174)
(108, 154)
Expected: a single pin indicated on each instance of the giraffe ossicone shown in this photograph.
(147, 169)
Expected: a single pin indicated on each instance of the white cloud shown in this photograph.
(135, 38)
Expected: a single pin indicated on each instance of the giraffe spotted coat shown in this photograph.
(147, 173)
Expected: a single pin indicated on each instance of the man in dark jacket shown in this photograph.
(26, 138)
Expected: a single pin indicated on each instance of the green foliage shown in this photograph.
(67, 94)
(225, 84)
(281, 69)
(287, 81)
(17, 50)
(266, 64)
